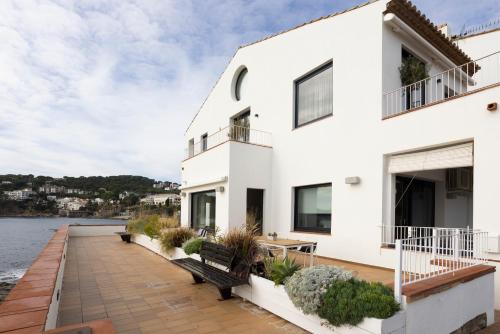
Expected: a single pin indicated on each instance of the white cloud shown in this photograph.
(106, 87)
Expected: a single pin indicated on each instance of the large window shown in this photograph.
(314, 95)
(313, 208)
(203, 209)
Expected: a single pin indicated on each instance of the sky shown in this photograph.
(108, 87)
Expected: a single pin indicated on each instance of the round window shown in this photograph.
(240, 86)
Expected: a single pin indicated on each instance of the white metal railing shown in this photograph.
(459, 80)
(418, 259)
(391, 233)
(230, 133)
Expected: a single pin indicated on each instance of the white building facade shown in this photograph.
(312, 132)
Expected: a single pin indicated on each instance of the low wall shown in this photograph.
(95, 230)
(32, 306)
(447, 311)
(155, 246)
(264, 293)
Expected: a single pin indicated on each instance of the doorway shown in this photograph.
(415, 203)
(255, 208)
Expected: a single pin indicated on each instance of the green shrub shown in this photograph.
(349, 302)
(136, 226)
(307, 286)
(175, 237)
(279, 270)
(152, 229)
(192, 245)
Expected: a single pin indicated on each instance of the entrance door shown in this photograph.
(415, 200)
(255, 207)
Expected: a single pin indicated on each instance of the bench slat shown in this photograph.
(220, 278)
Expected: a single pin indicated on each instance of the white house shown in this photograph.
(161, 199)
(20, 195)
(312, 130)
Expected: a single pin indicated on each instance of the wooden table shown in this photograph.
(287, 244)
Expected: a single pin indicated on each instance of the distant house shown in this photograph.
(6, 182)
(98, 201)
(71, 203)
(161, 199)
(51, 198)
(51, 189)
(124, 194)
(20, 195)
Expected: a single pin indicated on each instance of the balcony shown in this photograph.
(453, 83)
(233, 133)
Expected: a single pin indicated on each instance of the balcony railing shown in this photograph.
(457, 81)
(391, 233)
(418, 259)
(230, 133)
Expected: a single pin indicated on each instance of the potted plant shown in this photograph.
(272, 236)
(411, 72)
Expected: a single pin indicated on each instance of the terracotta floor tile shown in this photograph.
(144, 294)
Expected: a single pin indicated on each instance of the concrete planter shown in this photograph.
(265, 294)
(154, 245)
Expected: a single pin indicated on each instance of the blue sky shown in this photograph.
(107, 87)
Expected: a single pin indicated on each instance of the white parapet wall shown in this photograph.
(95, 230)
(447, 311)
(51, 319)
(154, 245)
(264, 293)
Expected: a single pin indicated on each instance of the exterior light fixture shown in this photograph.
(352, 180)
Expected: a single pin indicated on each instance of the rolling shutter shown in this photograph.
(440, 158)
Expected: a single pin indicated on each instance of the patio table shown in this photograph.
(286, 244)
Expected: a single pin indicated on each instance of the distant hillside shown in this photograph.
(113, 184)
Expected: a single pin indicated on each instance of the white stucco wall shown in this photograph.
(454, 307)
(353, 142)
(480, 45)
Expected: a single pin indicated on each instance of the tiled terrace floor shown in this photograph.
(365, 272)
(144, 293)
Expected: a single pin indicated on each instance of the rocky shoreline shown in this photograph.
(5, 288)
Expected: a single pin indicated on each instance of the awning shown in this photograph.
(441, 158)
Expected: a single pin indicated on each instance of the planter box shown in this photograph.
(155, 246)
(265, 294)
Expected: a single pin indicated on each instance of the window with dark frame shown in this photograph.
(313, 208)
(203, 209)
(203, 142)
(314, 95)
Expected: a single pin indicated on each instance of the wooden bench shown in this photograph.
(204, 272)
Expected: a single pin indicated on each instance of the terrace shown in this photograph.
(95, 281)
(143, 293)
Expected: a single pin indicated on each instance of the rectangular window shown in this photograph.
(191, 148)
(203, 209)
(203, 142)
(314, 95)
(313, 208)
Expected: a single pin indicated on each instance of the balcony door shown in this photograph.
(415, 201)
(255, 208)
(240, 129)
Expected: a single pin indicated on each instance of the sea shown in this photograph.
(21, 239)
